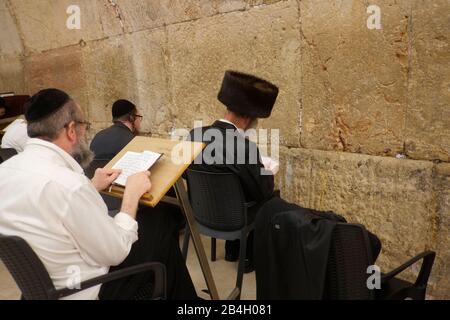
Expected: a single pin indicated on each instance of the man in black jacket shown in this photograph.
(247, 98)
(158, 227)
(127, 123)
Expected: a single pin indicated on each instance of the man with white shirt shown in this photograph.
(49, 202)
(16, 135)
(246, 98)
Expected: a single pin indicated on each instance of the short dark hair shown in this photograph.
(122, 109)
(240, 115)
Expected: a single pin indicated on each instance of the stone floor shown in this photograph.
(224, 275)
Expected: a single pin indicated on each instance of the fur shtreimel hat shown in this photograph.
(44, 103)
(121, 108)
(248, 95)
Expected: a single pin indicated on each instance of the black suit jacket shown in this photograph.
(229, 151)
(108, 142)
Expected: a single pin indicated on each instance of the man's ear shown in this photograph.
(71, 131)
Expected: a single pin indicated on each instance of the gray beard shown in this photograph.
(82, 154)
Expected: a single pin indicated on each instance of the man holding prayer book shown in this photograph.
(51, 204)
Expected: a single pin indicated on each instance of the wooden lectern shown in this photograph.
(166, 173)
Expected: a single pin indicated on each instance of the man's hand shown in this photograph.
(104, 177)
(137, 185)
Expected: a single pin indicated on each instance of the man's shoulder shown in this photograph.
(41, 173)
(206, 132)
(113, 132)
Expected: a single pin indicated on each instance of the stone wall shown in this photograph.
(351, 99)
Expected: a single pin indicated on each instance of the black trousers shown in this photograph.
(158, 242)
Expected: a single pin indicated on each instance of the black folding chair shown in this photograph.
(220, 210)
(35, 284)
(350, 256)
(5, 154)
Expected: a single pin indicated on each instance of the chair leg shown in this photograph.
(184, 251)
(213, 249)
(241, 265)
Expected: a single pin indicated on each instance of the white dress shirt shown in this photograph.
(48, 201)
(16, 135)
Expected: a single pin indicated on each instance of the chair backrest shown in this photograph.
(27, 270)
(217, 200)
(5, 154)
(350, 255)
(15, 105)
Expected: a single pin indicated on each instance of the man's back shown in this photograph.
(229, 151)
(108, 142)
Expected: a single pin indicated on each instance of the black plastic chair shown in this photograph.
(5, 154)
(34, 281)
(220, 210)
(350, 256)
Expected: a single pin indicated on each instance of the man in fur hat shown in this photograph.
(246, 98)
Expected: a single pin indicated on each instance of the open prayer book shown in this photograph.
(134, 162)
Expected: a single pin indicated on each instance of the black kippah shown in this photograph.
(44, 103)
(121, 108)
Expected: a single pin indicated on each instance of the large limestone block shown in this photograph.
(141, 14)
(441, 279)
(263, 41)
(42, 23)
(59, 68)
(428, 116)
(129, 67)
(11, 74)
(354, 80)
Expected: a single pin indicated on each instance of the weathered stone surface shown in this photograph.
(43, 23)
(441, 273)
(263, 41)
(428, 116)
(395, 199)
(139, 15)
(11, 69)
(10, 42)
(129, 67)
(11, 75)
(60, 68)
(354, 80)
